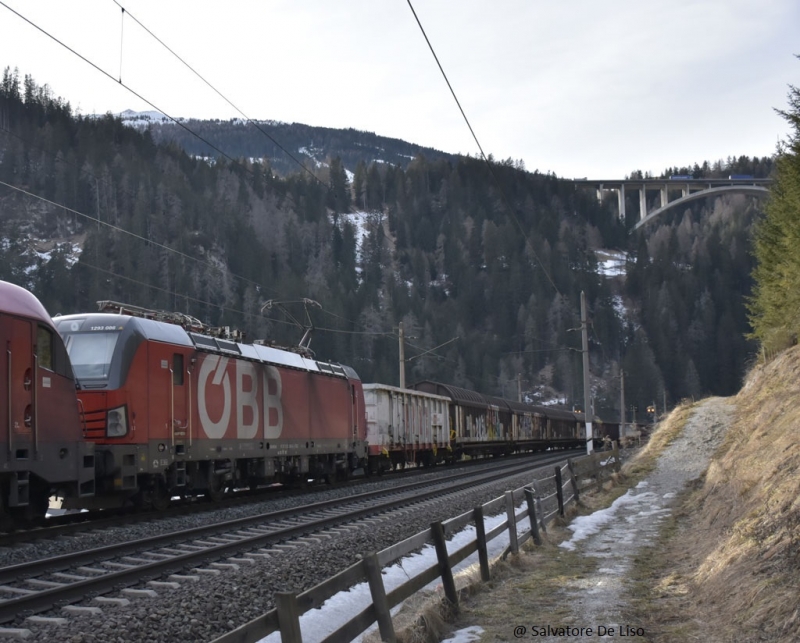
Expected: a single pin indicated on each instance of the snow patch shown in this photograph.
(467, 635)
(363, 222)
(611, 263)
(336, 611)
(143, 120)
(585, 526)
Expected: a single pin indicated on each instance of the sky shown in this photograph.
(581, 88)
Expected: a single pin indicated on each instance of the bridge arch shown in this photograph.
(753, 190)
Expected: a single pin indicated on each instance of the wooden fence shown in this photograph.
(570, 481)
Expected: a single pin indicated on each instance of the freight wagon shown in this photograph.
(405, 426)
(483, 425)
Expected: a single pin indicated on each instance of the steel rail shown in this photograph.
(69, 524)
(48, 598)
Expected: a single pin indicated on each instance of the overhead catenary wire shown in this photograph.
(204, 302)
(221, 95)
(154, 106)
(129, 233)
(483, 156)
(127, 87)
(84, 264)
(183, 255)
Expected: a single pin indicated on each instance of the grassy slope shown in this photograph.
(727, 566)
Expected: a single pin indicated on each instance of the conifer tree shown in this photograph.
(775, 304)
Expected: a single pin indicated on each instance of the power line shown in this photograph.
(486, 160)
(450, 87)
(204, 302)
(121, 34)
(85, 264)
(119, 82)
(220, 94)
(162, 246)
(132, 234)
(178, 252)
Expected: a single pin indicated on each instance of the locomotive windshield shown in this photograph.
(101, 347)
(90, 353)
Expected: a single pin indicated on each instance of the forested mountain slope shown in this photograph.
(494, 258)
(268, 141)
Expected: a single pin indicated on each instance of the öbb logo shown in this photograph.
(214, 403)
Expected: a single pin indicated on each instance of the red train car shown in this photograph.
(177, 412)
(43, 450)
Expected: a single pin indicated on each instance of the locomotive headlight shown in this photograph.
(117, 422)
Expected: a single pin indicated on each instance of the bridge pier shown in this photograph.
(621, 201)
(642, 202)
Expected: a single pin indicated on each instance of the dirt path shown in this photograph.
(580, 585)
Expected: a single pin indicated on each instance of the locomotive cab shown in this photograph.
(44, 453)
(131, 376)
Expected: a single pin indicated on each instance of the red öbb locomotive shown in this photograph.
(174, 408)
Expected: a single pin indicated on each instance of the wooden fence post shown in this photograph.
(378, 591)
(483, 553)
(532, 515)
(573, 479)
(446, 573)
(559, 491)
(512, 523)
(539, 510)
(288, 617)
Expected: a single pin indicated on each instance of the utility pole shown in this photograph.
(587, 393)
(401, 335)
(621, 403)
(519, 387)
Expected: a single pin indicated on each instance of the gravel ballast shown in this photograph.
(203, 609)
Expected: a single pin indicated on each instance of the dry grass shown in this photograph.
(727, 566)
(535, 577)
(527, 589)
(530, 588)
(667, 430)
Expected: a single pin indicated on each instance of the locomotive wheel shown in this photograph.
(159, 496)
(36, 509)
(39, 500)
(216, 489)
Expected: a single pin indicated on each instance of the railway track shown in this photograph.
(70, 524)
(76, 523)
(40, 585)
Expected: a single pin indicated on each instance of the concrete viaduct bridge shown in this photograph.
(681, 189)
